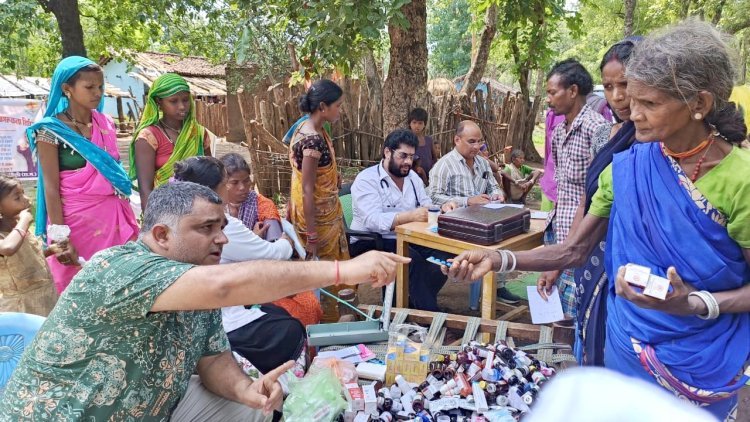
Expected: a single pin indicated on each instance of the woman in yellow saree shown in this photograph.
(314, 207)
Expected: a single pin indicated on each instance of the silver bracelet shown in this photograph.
(711, 304)
(512, 267)
(503, 260)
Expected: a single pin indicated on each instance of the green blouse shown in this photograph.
(726, 187)
(68, 158)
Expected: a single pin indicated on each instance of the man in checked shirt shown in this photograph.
(568, 84)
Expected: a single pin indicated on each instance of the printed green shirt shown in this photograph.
(102, 356)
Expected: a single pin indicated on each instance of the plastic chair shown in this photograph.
(17, 330)
(345, 198)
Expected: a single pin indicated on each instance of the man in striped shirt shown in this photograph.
(463, 176)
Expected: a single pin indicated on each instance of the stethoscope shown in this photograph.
(386, 190)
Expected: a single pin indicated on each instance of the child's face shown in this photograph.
(14, 202)
(416, 126)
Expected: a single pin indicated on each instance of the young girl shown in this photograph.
(25, 281)
(427, 150)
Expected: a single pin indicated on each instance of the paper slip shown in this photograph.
(544, 311)
(496, 206)
(349, 354)
(539, 215)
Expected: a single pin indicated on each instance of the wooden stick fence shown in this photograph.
(356, 140)
(213, 117)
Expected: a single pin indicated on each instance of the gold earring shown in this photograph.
(698, 116)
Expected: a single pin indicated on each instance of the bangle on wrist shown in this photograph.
(711, 304)
(23, 233)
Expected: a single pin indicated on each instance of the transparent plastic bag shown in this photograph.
(345, 371)
(316, 397)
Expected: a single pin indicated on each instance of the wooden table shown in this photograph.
(417, 233)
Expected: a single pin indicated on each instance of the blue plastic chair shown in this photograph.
(17, 330)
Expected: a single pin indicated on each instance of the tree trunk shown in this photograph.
(293, 56)
(374, 106)
(629, 13)
(528, 146)
(406, 85)
(717, 12)
(684, 8)
(69, 23)
(479, 58)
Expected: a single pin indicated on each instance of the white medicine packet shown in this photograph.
(58, 232)
(653, 285)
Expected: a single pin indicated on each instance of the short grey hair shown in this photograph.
(170, 202)
(684, 60)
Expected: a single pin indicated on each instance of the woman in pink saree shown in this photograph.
(82, 185)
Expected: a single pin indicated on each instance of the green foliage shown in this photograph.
(31, 38)
(604, 21)
(329, 33)
(526, 33)
(449, 38)
(24, 31)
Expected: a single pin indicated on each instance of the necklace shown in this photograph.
(166, 126)
(697, 169)
(76, 123)
(232, 209)
(691, 152)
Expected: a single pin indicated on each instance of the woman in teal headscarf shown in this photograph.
(167, 133)
(82, 184)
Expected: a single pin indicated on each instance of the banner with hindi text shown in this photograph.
(17, 114)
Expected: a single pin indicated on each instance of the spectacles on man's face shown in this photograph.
(475, 143)
(401, 155)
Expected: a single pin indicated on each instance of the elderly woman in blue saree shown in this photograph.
(591, 278)
(677, 203)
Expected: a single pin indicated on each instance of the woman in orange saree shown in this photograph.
(314, 207)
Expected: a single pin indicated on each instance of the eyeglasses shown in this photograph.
(475, 142)
(404, 156)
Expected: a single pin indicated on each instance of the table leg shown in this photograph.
(402, 275)
(489, 288)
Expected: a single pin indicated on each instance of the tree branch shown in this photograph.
(479, 60)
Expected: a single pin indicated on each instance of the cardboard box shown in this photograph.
(355, 397)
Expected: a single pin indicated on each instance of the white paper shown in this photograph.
(349, 354)
(539, 215)
(544, 311)
(497, 206)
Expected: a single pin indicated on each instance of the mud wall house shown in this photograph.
(135, 72)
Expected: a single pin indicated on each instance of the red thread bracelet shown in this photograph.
(338, 278)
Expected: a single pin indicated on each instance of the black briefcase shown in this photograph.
(484, 226)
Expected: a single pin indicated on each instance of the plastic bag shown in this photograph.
(316, 397)
(345, 371)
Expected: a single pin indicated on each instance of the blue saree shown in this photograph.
(591, 278)
(655, 222)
